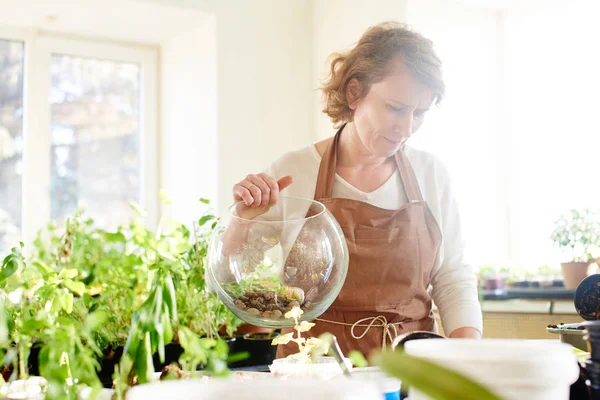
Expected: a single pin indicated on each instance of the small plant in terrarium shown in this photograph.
(308, 348)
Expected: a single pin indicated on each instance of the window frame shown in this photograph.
(39, 47)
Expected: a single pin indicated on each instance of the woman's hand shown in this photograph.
(259, 193)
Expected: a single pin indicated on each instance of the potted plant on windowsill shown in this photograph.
(577, 233)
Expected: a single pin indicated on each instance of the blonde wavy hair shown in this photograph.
(371, 60)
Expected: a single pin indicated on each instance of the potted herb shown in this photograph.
(577, 233)
(73, 304)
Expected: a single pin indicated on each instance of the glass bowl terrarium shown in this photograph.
(261, 266)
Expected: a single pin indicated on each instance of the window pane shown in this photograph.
(11, 142)
(94, 138)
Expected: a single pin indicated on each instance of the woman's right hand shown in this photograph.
(259, 193)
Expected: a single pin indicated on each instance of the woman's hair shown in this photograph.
(372, 59)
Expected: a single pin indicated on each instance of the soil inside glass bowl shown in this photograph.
(271, 304)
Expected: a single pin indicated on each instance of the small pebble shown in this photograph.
(255, 303)
(266, 314)
(253, 311)
(240, 304)
(270, 295)
(276, 314)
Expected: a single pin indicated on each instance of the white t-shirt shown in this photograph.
(454, 286)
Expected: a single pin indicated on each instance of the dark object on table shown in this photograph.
(592, 365)
(401, 340)
(259, 347)
(592, 371)
(415, 335)
(587, 298)
(579, 390)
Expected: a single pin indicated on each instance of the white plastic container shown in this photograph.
(267, 389)
(323, 368)
(512, 369)
(389, 387)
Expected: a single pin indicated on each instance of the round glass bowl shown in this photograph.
(261, 266)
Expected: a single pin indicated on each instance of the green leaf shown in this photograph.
(95, 319)
(34, 325)
(204, 201)
(144, 364)
(133, 340)
(43, 268)
(76, 287)
(9, 267)
(357, 359)
(167, 328)
(161, 346)
(87, 300)
(66, 300)
(207, 343)
(244, 355)
(68, 273)
(56, 304)
(171, 297)
(437, 382)
(114, 237)
(138, 210)
(205, 219)
(164, 198)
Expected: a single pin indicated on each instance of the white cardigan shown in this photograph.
(454, 286)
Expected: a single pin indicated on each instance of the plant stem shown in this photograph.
(22, 362)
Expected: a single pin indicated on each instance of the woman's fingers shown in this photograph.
(273, 188)
(260, 190)
(284, 182)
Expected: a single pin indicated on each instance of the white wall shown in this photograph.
(338, 25)
(264, 82)
(188, 144)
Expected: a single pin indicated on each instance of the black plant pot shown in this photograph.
(33, 362)
(107, 365)
(257, 345)
(172, 353)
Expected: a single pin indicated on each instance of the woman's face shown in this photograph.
(391, 111)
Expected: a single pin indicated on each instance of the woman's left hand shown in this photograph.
(465, 333)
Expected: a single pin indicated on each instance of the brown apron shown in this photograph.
(392, 254)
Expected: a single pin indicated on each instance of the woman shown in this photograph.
(394, 202)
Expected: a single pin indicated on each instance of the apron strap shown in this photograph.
(326, 176)
(409, 179)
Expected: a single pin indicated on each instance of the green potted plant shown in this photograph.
(577, 234)
(85, 291)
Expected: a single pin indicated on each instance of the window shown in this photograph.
(518, 128)
(77, 130)
(94, 137)
(11, 141)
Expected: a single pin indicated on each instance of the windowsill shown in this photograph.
(526, 306)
